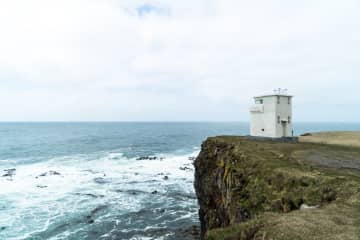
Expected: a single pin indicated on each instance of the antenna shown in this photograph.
(281, 91)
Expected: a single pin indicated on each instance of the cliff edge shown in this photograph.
(250, 189)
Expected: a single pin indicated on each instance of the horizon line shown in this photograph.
(163, 121)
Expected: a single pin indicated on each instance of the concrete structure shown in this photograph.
(271, 116)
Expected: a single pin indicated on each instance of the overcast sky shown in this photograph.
(177, 60)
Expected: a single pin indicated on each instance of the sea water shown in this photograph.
(96, 180)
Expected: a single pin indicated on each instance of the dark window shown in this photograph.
(278, 119)
(278, 99)
(289, 119)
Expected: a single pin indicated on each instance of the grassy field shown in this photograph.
(273, 181)
(335, 138)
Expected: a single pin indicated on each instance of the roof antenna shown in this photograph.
(277, 91)
(281, 91)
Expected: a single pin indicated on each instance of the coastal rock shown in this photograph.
(163, 174)
(248, 189)
(9, 172)
(49, 173)
(54, 173)
(185, 169)
(192, 232)
(166, 178)
(149, 158)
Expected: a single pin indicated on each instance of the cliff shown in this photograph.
(250, 189)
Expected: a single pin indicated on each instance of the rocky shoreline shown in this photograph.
(248, 189)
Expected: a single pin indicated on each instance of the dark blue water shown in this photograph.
(83, 180)
(34, 141)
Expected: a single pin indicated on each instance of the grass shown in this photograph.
(334, 138)
(270, 181)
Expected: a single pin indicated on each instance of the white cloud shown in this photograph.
(202, 60)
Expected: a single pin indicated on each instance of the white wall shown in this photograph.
(267, 119)
(264, 120)
(284, 110)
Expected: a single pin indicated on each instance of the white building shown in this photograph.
(271, 116)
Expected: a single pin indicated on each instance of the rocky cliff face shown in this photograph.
(262, 190)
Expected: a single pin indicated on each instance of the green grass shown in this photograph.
(270, 181)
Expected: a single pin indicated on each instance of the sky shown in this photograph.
(177, 60)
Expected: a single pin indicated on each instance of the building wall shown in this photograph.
(284, 110)
(268, 119)
(264, 120)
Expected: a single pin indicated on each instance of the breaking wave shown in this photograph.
(102, 196)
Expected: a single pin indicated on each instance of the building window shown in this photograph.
(289, 119)
(289, 100)
(278, 119)
(278, 99)
(259, 101)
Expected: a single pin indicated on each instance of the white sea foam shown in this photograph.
(32, 202)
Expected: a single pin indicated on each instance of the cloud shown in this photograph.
(147, 9)
(171, 60)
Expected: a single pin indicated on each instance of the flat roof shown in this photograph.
(274, 95)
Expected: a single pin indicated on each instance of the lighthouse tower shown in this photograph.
(271, 115)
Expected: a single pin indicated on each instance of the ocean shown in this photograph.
(106, 180)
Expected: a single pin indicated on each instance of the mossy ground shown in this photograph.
(269, 181)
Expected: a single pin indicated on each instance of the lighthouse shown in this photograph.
(271, 115)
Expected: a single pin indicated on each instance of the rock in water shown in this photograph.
(49, 173)
(185, 169)
(9, 172)
(148, 158)
(54, 173)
